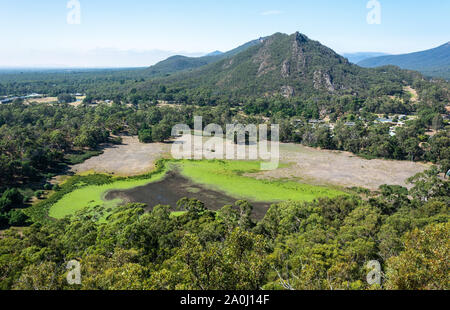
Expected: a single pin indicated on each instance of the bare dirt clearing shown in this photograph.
(42, 100)
(128, 159)
(79, 101)
(413, 92)
(307, 165)
(341, 168)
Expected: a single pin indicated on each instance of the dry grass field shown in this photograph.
(42, 100)
(305, 164)
(341, 168)
(130, 158)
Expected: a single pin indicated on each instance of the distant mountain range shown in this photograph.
(281, 64)
(357, 57)
(215, 53)
(181, 63)
(434, 62)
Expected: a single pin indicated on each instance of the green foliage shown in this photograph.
(11, 198)
(78, 158)
(10, 213)
(424, 263)
(66, 98)
(323, 244)
(145, 136)
(161, 132)
(429, 185)
(17, 218)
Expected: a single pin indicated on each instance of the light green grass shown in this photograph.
(227, 176)
(178, 213)
(93, 195)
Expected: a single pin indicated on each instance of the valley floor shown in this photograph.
(308, 165)
(341, 168)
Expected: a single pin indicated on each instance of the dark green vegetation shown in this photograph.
(66, 98)
(286, 66)
(434, 62)
(319, 245)
(11, 214)
(95, 82)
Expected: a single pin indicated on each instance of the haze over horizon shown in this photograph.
(135, 34)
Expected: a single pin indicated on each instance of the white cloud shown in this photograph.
(273, 12)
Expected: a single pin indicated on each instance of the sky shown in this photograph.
(128, 33)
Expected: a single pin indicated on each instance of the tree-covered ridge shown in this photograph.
(287, 65)
(434, 62)
(179, 63)
(292, 66)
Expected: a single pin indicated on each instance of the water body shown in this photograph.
(175, 187)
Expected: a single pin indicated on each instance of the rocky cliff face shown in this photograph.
(294, 62)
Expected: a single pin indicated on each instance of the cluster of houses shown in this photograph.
(399, 121)
(394, 124)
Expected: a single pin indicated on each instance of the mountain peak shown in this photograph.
(301, 37)
(282, 65)
(215, 53)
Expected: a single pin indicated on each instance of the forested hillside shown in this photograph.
(289, 66)
(324, 245)
(180, 63)
(434, 62)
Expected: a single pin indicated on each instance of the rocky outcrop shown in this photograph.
(323, 80)
(287, 91)
(286, 69)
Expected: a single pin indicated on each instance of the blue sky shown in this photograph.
(36, 32)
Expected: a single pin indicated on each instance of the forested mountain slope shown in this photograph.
(180, 63)
(433, 62)
(291, 66)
